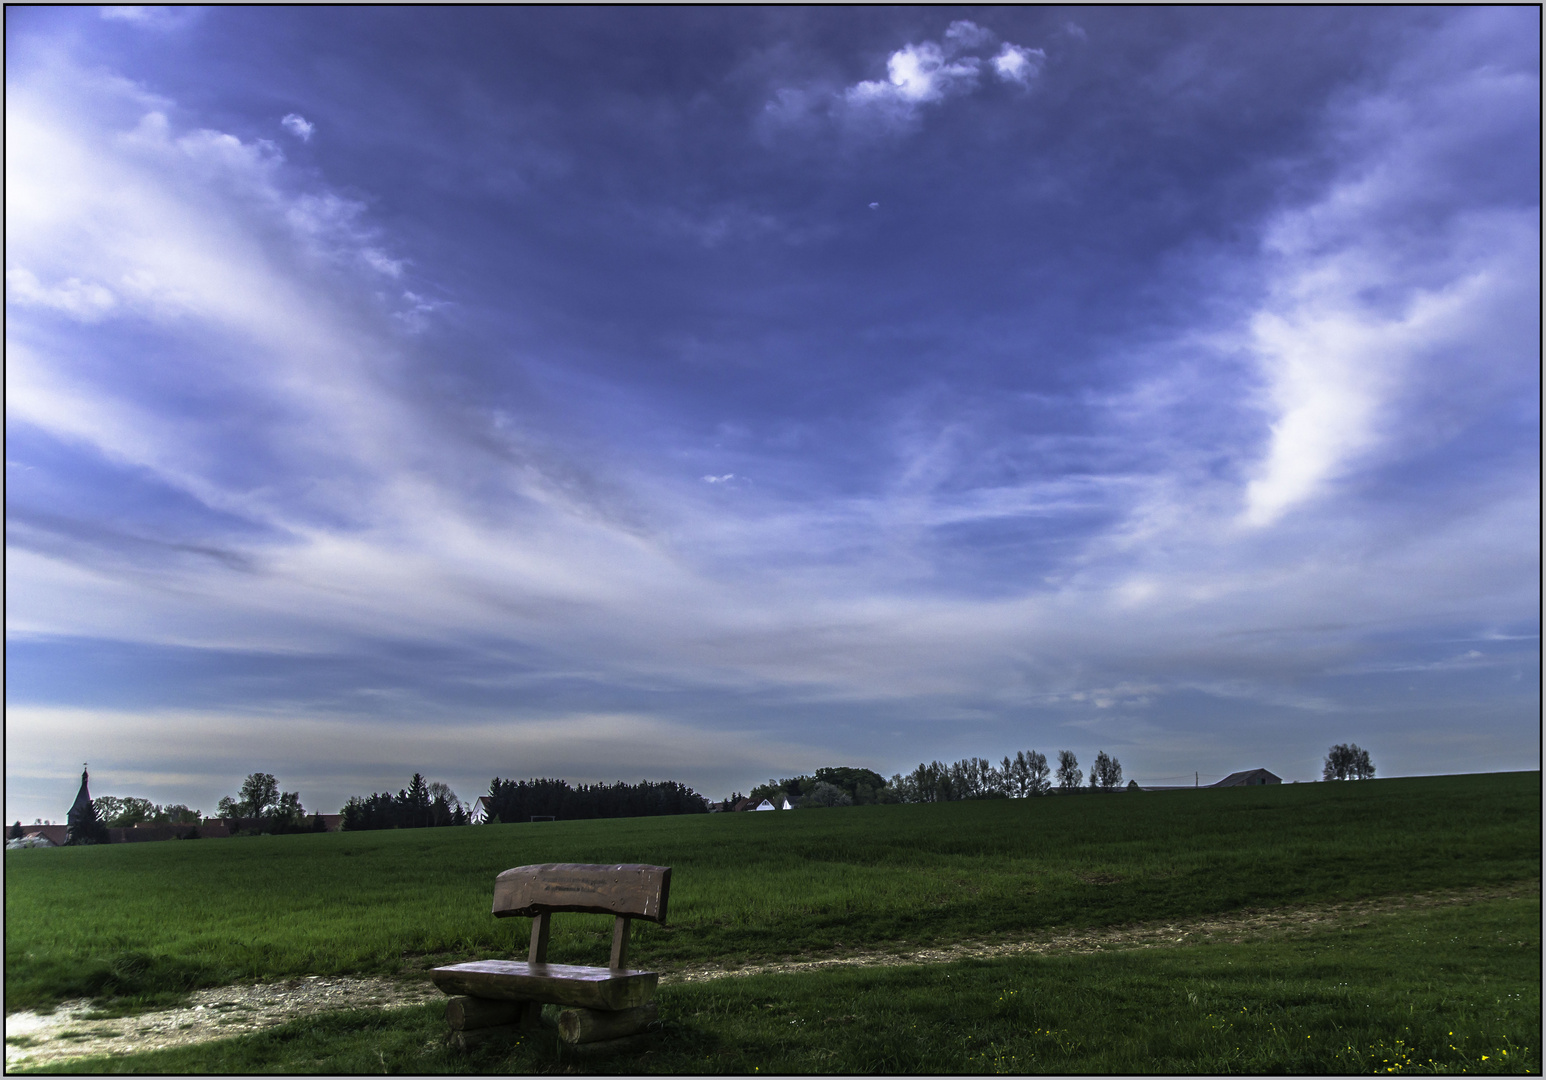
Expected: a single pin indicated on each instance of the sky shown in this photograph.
(716, 395)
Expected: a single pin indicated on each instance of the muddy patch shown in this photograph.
(31, 1039)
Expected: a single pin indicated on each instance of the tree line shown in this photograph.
(125, 813)
(837, 786)
(1025, 775)
(421, 805)
(521, 800)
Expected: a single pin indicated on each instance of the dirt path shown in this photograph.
(31, 1039)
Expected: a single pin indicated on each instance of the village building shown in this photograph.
(1247, 778)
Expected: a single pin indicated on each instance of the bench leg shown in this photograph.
(539, 939)
(469, 1013)
(576, 1026)
(620, 942)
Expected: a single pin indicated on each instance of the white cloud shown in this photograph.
(719, 479)
(1017, 64)
(917, 74)
(87, 301)
(1394, 308)
(965, 34)
(125, 12)
(298, 126)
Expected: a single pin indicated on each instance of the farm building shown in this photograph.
(38, 836)
(1249, 778)
(54, 834)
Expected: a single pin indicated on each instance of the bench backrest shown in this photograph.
(631, 890)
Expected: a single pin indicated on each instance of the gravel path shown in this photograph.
(33, 1039)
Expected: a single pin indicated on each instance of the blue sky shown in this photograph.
(720, 394)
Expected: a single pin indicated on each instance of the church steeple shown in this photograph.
(82, 823)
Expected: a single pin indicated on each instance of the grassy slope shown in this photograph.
(152, 919)
(1439, 990)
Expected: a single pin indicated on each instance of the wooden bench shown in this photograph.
(599, 1003)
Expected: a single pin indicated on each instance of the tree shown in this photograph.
(1036, 767)
(108, 807)
(176, 814)
(259, 794)
(16, 832)
(263, 806)
(825, 794)
(1024, 775)
(1106, 773)
(1348, 761)
(1069, 775)
(288, 814)
(444, 807)
(862, 784)
(416, 801)
(123, 813)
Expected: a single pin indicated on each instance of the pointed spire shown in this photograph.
(80, 810)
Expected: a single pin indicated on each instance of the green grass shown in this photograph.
(1452, 989)
(146, 922)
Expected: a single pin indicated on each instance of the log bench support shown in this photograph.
(493, 999)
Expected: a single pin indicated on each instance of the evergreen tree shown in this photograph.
(416, 803)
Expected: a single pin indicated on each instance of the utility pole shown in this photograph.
(1197, 780)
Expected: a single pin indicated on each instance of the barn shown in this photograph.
(1249, 778)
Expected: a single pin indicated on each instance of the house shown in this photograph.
(766, 804)
(54, 834)
(1249, 778)
(787, 804)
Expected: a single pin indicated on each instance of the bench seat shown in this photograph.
(560, 984)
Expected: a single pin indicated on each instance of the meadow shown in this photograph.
(143, 924)
(1438, 991)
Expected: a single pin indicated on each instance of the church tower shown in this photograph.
(82, 824)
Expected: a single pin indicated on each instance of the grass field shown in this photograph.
(146, 921)
(1442, 990)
